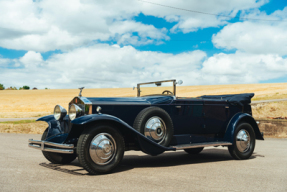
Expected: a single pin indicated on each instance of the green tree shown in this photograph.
(26, 87)
(2, 87)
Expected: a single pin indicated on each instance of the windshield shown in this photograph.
(156, 88)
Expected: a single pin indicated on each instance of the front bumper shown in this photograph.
(52, 147)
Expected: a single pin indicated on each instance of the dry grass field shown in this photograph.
(26, 126)
(36, 103)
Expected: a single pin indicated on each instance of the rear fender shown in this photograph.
(236, 120)
(146, 145)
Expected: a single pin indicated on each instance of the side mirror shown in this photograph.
(134, 88)
(179, 82)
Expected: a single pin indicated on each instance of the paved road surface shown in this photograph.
(267, 101)
(25, 169)
(17, 119)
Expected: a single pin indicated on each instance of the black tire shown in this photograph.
(148, 113)
(57, 158)
(84, 143)
(235, 150)
(194, 150)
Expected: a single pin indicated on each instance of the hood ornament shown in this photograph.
(81, 89)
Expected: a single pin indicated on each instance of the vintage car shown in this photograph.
(99, 130)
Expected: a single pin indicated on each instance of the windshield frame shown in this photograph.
(155, 82)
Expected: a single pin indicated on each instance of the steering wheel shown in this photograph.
(167, 92)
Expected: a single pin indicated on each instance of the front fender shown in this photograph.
(57, 133)
(47, 118)
(235, 120)
(147, 145)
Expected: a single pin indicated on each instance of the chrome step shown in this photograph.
(197, 145)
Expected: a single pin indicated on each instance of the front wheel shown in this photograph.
(57, 158)
(100, 149)
(243, 143)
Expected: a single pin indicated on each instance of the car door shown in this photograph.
(187, 116)
(216, 114)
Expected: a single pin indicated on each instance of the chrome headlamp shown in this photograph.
(74, 111)
(59, 112)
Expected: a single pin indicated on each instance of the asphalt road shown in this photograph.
(17, 119)
(25, 169)
(267, 101)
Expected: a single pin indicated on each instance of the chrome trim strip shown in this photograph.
(195, 145)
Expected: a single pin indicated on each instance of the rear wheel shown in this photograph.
(194, 150)
(57, 158)
(243, 143)
(100, 149)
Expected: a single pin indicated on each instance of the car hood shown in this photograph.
(131, 100)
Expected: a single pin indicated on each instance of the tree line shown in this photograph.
(25, 87)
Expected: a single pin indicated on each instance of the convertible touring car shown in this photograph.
(99, 130)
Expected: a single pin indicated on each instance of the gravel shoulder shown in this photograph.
(25, 169)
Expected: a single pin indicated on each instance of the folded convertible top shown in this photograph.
(236, 99)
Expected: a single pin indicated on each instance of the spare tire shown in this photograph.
(156, 124)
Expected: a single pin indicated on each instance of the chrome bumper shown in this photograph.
(44, 146)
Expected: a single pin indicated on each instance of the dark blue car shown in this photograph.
(99, 130)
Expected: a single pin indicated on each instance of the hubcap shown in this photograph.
(155, 129)
(243, 140)
(102, 149)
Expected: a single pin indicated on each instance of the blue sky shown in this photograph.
(115, 44)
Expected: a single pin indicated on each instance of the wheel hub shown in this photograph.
(155, 129)
(243, 140)
(102, 149)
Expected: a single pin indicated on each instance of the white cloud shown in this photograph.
(103, 65)
(51, 24)
(191, 21)
(265, 37)
(100, 65)
(243, 68)
(75, 26)
(32, 59)
(4, 62)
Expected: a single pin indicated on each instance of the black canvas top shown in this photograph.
(236, 99)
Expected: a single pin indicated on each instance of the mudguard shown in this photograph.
(47, 118)
(56, 130)
(235, 120)
(148, 146)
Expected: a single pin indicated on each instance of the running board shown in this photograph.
(197, 145)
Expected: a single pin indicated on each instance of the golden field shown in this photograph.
(36, 103)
